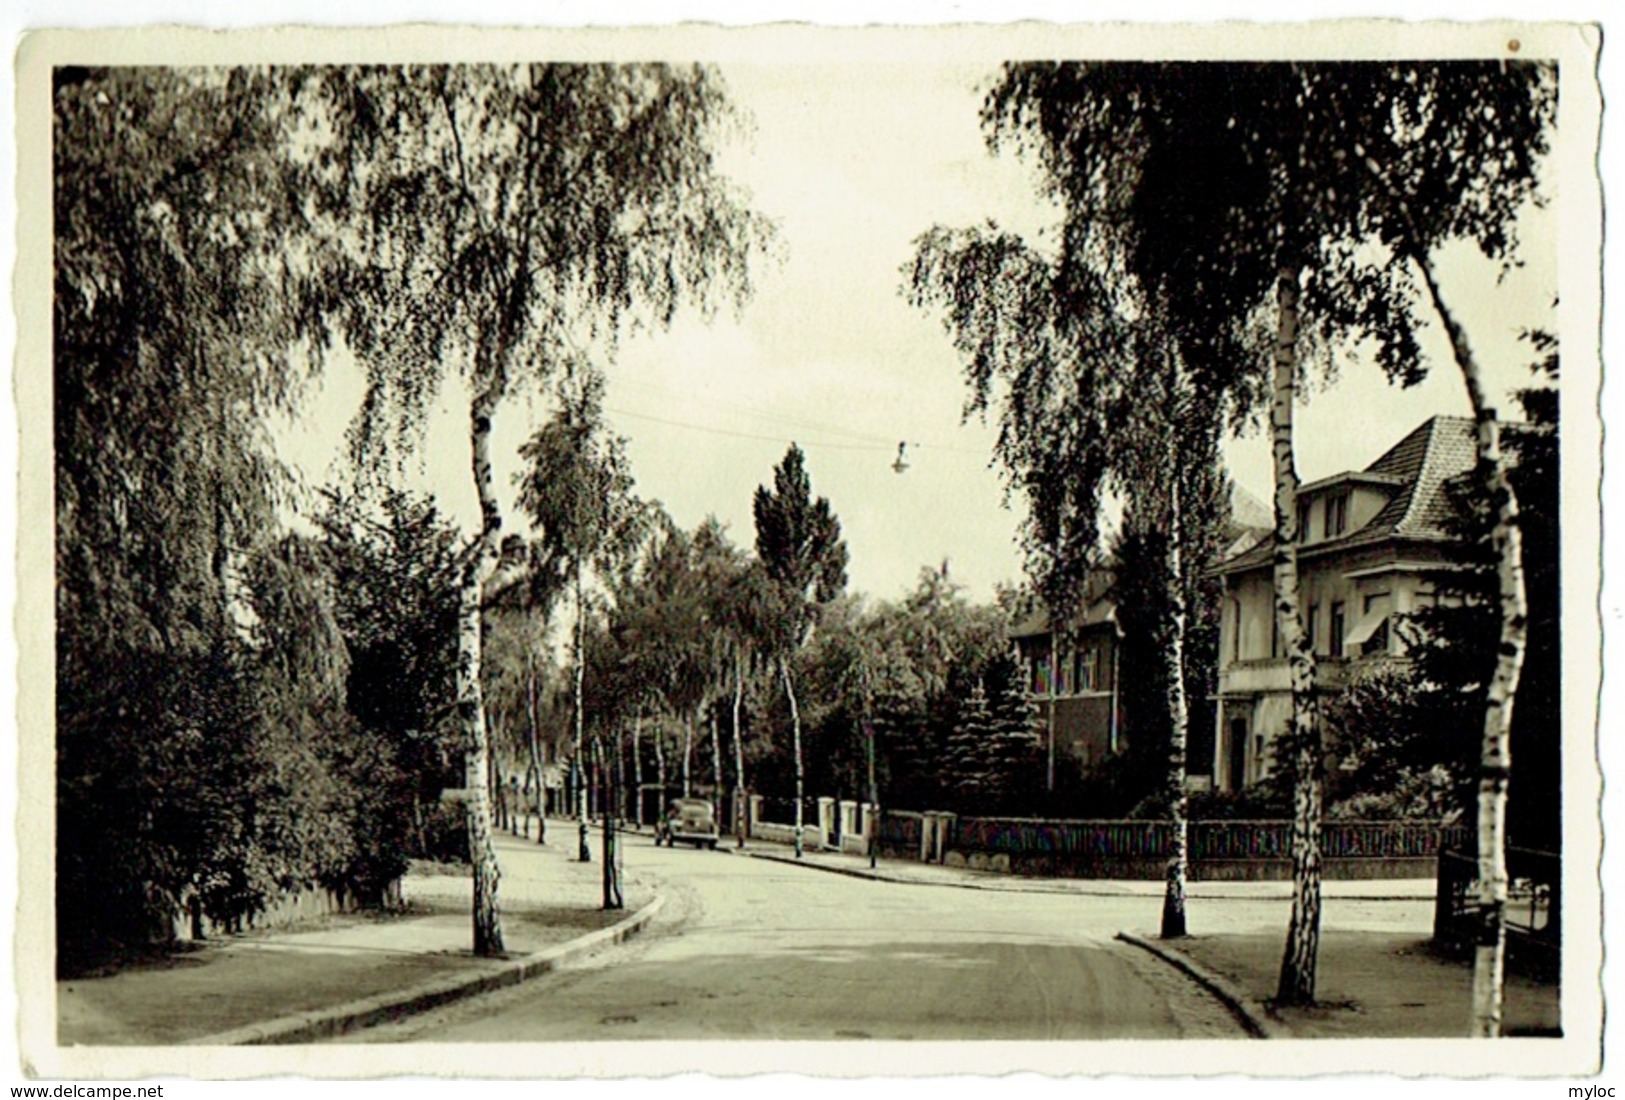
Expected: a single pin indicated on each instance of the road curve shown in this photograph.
(753, 949)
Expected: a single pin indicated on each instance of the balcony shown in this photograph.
(1270, 674)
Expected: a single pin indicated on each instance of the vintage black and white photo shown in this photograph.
(883, 538)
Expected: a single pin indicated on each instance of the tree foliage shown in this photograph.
(394, 564)
(1232, 172)
(1455, 654)
(189, 296)
(798, 541)
(577, 486)
(1141, 596)
(508, 213)
(512, 212)
(214, 228)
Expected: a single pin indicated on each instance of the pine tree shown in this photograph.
(970, 762)
(1016, 752)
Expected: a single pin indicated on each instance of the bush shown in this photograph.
(441, 835)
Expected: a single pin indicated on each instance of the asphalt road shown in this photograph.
(752, 949)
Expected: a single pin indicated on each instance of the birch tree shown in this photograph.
(1093, 398)
(1453, 152)
(730, 603)
(501, 216)
(577, 488)
(1120, 145)
(1313, 192)
(189, 301)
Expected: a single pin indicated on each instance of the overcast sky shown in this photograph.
(854, 161)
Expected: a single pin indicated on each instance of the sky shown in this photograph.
(853, 160)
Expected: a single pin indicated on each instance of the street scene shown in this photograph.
(905, 550)
(751, 944)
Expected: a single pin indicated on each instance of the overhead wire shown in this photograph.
(760, 413)
(869, 442)
(747, 435)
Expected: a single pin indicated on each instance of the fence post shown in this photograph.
(945, 827)
(753, 815)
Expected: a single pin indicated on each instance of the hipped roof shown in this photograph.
(1418, 468)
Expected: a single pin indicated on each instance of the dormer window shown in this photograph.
(1337, 514)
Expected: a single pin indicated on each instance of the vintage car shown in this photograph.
(691, 820)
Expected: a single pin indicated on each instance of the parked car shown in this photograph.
(691, 820)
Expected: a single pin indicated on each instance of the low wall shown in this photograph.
(811, 835)
(298, 907)
(1218, 851)
(1150, 868)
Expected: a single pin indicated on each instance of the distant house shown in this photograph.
(1368, 541)
(1077, 674)
(1074, 676)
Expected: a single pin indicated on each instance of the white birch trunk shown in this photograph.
(487, 918)
(1173, 901)
(795, 727)
(688, 749)
(739, 753)
(1495, 758)
(716, 758)
(660, 767)
(1299, 959)
(536, 761)
(637, 768)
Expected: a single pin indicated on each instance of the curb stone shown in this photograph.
(992, 886)
(849, 872)
(307, 1027)
(1000, 882)
(1253, 1016)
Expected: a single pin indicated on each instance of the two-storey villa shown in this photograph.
(1368, 542)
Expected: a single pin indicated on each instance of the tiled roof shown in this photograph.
(1096, 606)
(1420, 466)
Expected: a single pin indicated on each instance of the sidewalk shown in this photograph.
(1370, 985)
(379, 963)
(933, 874)
(1378, 974)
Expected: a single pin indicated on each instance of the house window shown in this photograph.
(1371, 633)
(1337, 515)
(1378, 642)
(1235, 630)
(1334, 646)
(1238, 753)
(1041, 677)
(1313, 628)
(1303, 518)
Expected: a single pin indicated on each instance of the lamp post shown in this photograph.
(873, 824)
